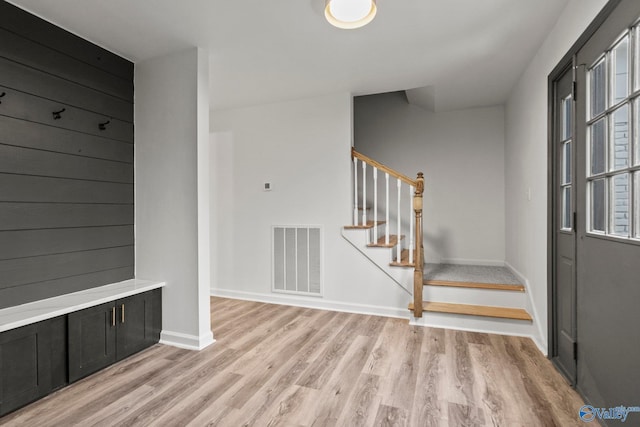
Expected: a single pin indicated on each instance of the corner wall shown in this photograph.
(172, 197)
(526, 157)
(303, 148)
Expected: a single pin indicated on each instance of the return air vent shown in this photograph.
(297, 260)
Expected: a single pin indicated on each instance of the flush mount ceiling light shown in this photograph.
(350, 14)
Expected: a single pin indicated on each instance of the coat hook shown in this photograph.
(56, 114)
(103, 126)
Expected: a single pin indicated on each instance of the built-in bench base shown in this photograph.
(45, 345)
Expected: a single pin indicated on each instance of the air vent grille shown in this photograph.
(297, 258)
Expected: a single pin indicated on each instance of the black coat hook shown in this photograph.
(56, 114)
(103, 126)
(2, 95)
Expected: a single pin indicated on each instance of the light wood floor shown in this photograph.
(285, 366)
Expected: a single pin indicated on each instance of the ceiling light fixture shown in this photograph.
(350, 14)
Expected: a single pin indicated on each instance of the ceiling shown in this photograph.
(469, 52)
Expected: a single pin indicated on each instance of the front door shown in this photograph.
(607, 185)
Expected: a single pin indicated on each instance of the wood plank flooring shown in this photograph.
(285, 366)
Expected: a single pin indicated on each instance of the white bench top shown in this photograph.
(26, 314)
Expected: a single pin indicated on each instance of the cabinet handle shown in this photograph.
(122, 320)
(113, 316)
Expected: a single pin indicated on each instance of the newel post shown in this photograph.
(418, 273)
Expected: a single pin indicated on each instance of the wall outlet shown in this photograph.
(267, 186)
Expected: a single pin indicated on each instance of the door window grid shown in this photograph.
(613, 153)
(565, 181)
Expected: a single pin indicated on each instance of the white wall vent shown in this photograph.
(297, 259)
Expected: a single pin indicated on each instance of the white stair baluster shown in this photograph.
(411, 236)
(355, 191)
(386, 225)
(399, 245)
(364, 194)
(375, 204)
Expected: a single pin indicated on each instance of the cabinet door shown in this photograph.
(139, 322)
(131, 325)
(92, 340)
(25, 365)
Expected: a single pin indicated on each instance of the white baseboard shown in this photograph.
(539, 338)
(463, 261)
(186, 341)
(322, 304)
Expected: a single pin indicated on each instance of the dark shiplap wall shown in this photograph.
(66, 187)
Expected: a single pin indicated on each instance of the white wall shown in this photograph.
(303, 149)
(462, 156)
(526, 156)
(172, 178)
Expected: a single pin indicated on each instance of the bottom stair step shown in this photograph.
(475, 310)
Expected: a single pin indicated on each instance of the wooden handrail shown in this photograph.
(383, 168)
(417, 187)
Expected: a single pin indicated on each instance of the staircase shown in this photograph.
(387, 229)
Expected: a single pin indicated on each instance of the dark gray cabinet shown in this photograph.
(39, 358)
(102, 335)
(31, 362)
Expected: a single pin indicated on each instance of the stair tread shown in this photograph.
(475, 310)
(404, 260)
(477, 285)
(368, 225)
(393, 241)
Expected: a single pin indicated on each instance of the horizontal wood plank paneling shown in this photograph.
(28, 161)
(66, 183)
(33, 108)
(28, 216)
(25, 188)
(31, 243)
(51, 288)
(33, 135)
(23, 271)
(35, 55)
(47, 34)
(45, 85)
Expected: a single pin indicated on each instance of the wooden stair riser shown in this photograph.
(475, 310)
(475, 296)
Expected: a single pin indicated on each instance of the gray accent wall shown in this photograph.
(66, 179)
